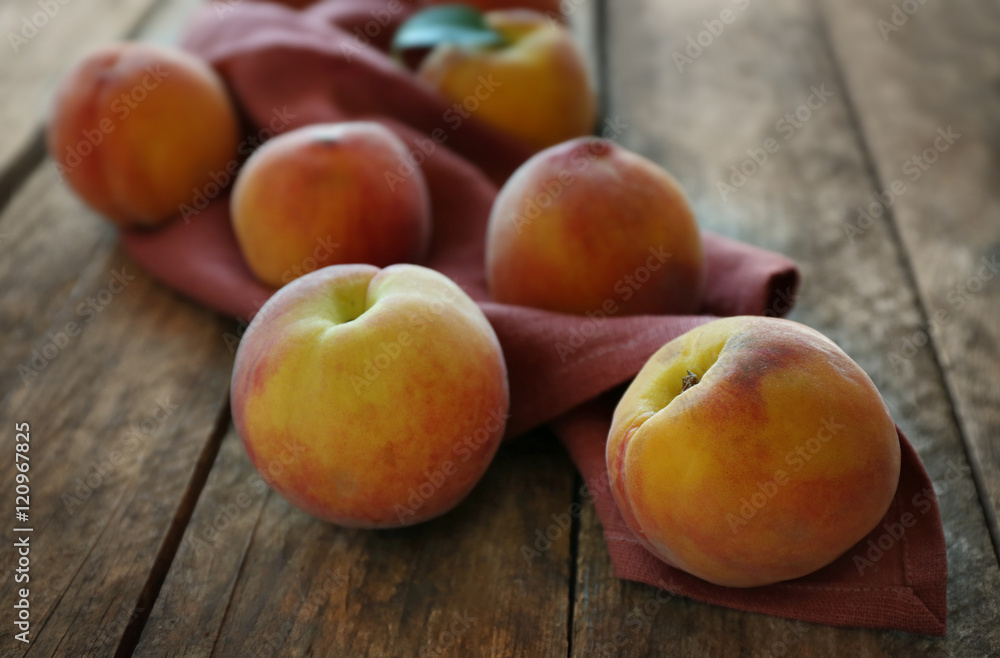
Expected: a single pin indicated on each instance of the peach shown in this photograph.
(535, 86)
(589, 227)
(137, 129)
(370, 398)
(750, 451)
(320, 195)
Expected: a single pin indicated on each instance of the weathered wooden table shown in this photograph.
(152, 533)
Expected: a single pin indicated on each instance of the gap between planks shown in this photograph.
(175, 533)
(906, 261)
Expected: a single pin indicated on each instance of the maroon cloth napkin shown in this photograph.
(290, 68)
(893, 578)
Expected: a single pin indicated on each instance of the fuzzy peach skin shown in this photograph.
(587, 227)
(137, 129)
(370, 398)
(535, 87)
(779, 459)
(319, 196)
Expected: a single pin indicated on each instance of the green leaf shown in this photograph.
(454, 24)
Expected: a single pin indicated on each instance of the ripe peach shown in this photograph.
(750, 451)
(371, 398)
(137, 128)
(319, 196)
(535, 87)
(587, 226)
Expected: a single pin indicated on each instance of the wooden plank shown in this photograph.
(191, 607)
(913, 76)
(254, 574)
(698, 122)
(38, 280)
(39, 273)
(123, 419)
(123, 385)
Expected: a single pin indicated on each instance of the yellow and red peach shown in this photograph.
(319, 195)
(535, 86)
(370, 398)
(137, 129)
(587, 226)
(750, 451)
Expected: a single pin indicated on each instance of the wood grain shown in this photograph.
(231, 569)
(45, 249)
(192, 605)
(37, 274)
(277, 581)
(123, 420)
(698, 122)
(123, 383)
(912, 78)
